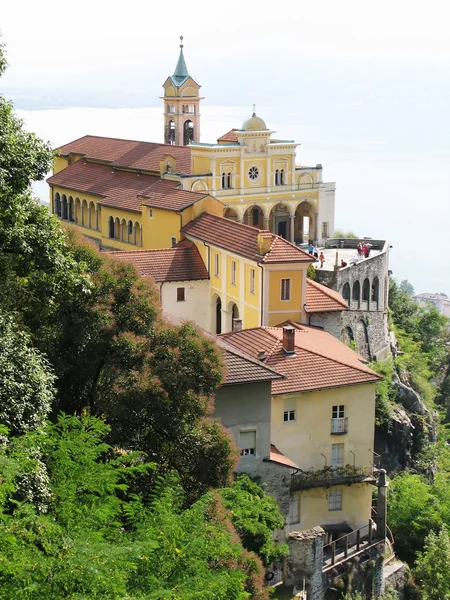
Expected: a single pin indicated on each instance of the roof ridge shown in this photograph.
(107, 137)
(232, 221)
(233, 350)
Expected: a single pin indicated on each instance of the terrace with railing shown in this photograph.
(329, 476)
(339, 551)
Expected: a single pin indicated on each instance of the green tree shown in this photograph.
(255, 515)
(26, 381)
(432, 566)
(407, 287)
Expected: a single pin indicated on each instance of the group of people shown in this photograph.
(363, 249)
(314, 251)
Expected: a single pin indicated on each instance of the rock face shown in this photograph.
(395, 446)
(408, 398)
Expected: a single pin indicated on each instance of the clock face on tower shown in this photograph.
(253, 173)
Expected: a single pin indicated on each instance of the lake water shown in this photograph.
(392, 181)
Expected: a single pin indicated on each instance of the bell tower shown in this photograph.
(181, 105)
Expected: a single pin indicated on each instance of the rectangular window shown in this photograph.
(174, 241)
(337, 455)
(247, 443)
(216, 265)
(285, 289)
(150, 213)
(288, 416)
(335, 500)
(181, 294)
(294, 509)
(233, 272)
(338, 420)
(252, 281)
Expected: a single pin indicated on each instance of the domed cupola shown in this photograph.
(254, 123)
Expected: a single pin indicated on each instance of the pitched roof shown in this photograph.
(128, 153)
(123, 189)
(320, 298)
(181, 71)
(278, 457)
(180, 263)
(243, 239)
(320, 360)
(230, 136)
(241, 368)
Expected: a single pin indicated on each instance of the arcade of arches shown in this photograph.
(224, 321)
(299, 226)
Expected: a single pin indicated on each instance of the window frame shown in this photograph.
(340, 448)
(249, 452)
(216, 264)
(252, 280)
(174, 241)
(339, 409)
(289, 416)
(233, 272)
(181, 291)
(287, 292)
(335, 498)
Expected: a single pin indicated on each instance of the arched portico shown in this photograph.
(65, 208)
(281, 221)
(216, 314)
(304, 223)
(254, 216)
(57, 205)
(232, 316)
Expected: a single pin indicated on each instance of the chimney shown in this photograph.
(237, 324)
(289, 339)
(264, 242)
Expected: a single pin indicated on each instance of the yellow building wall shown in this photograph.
(201, 165)
(309, 436)
(356, 507)
(158, 230)
(59, 163)
(279, 310)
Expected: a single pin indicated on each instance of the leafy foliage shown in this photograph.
(340, 233)
(255, 515)
(432, 564)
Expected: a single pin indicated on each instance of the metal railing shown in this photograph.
(348, 545)
(339, 425)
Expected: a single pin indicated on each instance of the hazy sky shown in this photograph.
(363, 86)
(57, 43)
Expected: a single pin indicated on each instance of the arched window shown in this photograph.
(170, 132)
(375, 290)
(281, 178)
(229, 180)
(346, 292)
(356, 293)
(188, 133)
(57, 205)
(111, 227)
(224, 181)
(130, 229)
(277, 175)
(117, 228)
(218, 316)
(366, 290)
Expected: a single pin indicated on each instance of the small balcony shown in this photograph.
(339, 426)
(329, 476)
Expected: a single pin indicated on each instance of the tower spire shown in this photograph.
(181, 68)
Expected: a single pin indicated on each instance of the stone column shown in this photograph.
(292, 228)
(266, 222)
(382, 505)
(316, 228)
(305, 561)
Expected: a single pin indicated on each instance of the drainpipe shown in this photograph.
(262, 293)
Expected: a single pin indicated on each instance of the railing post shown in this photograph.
(346, 546)
(333, 552)
(358, 539)
(370, 531)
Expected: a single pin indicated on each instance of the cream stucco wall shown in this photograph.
(194, 308)
(309, 436)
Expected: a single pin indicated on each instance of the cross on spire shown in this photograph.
(181, 41)
(254, 111)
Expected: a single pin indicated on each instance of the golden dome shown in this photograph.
(254, 123)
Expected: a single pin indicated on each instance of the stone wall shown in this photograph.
(365, 286)
(305, 561)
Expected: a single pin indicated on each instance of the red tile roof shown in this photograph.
(320, 360)
(129, 153)
(278, 457)
(241, 368)
(319, 298)
(230, 136)
(180, 263)
(122, 189)
(243, 239)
